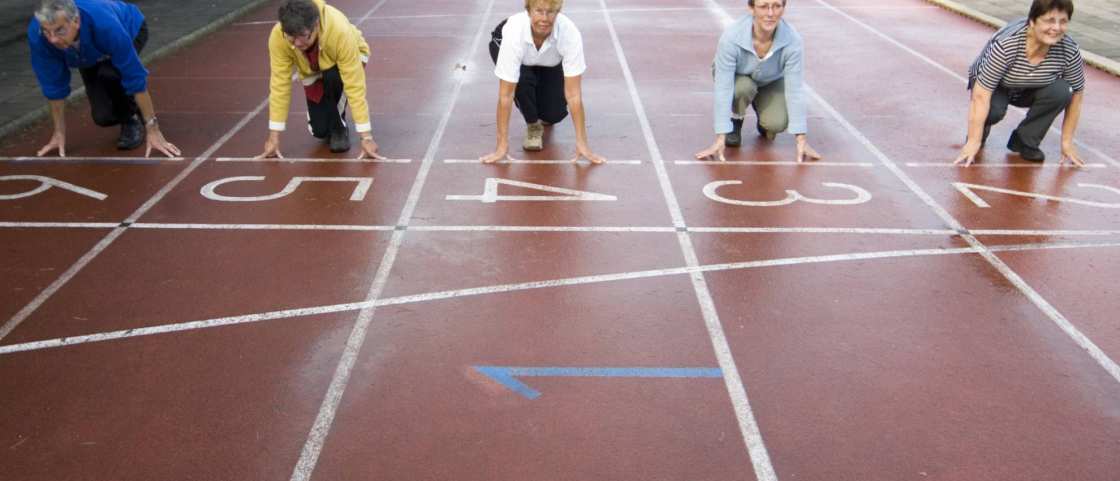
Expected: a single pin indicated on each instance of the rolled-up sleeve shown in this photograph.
(1075, 70)
(572, 53)
(993, 67)
(508, 65)
(793, 74)
(279, 80)
(724, 93)
(118, 43)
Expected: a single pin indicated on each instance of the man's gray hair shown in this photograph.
(49, 9)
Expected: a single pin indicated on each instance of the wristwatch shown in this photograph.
(151, 122)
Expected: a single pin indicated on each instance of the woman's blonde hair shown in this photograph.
(552, 4)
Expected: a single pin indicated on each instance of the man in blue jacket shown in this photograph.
(102, 39)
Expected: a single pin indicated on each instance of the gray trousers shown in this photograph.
(769, 102)
(1043, 105)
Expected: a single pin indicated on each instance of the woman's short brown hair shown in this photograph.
(1042, 7)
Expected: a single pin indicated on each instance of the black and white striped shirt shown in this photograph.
(1003, 62)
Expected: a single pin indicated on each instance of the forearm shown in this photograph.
(505, 105)
(978, 112)
(1072, 116)
(144, 101)
(58, 115)
(576, 106)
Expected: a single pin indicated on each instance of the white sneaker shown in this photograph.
(534, 137)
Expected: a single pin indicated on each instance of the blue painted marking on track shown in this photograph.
(507, 375)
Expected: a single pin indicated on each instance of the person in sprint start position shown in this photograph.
(759, 62)
(102, 39)
(538, 58)
(328, 53)
(1028, 63)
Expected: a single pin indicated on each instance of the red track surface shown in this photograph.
(916, 335)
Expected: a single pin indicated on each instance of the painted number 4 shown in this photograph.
(490, 193)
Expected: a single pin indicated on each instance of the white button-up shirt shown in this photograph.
(564, 45)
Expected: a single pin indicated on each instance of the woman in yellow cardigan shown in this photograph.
(319, 43)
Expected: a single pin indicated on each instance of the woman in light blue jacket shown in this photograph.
(759, 62)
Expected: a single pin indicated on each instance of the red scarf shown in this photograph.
(314, 92)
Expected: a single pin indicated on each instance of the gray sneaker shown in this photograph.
(534, 137)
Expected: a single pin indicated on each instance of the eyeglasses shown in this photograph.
(61, 31)
(305, 36)
(769, 7)
(544, 12)
(1053, 21)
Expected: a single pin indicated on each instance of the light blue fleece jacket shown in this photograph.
(735, 55)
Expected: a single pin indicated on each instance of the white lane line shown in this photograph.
(107, 160)
(951, 73)
(309, 455)
(517, 287)
(543, 162)
(179, 327)
(334, 227)
(784, 163)
(983, 165)
(61, 225)
(577, 229)
(1042, 232)
(822, 230)
(534, 228)
(340, 160)
(88, 257)
(737, 392)
(1060, 320)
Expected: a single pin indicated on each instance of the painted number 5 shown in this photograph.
(209, 190)
(791, 195)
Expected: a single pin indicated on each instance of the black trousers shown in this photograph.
(1043, 106)
(107, 101)
(540, 90)
(329, 113)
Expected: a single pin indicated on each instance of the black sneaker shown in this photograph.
(132, 134)
(1015, 144)
(735, 137)
(340, 140)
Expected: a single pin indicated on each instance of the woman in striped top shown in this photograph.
(1029, 63)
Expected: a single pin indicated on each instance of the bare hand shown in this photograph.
(271, 148)
(968, 153)
(58, 141)
(1069, 152)
(583, 152)
(713, 152)
(369, 150)
(495, 156)
(805, 152)
(155, 139)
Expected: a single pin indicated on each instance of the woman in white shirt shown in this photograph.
(538, 58)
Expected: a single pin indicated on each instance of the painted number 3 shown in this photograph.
(792, 196)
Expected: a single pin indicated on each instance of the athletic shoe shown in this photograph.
(534, 137)
(1015, 144)
(132, 134)
(735, 137)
